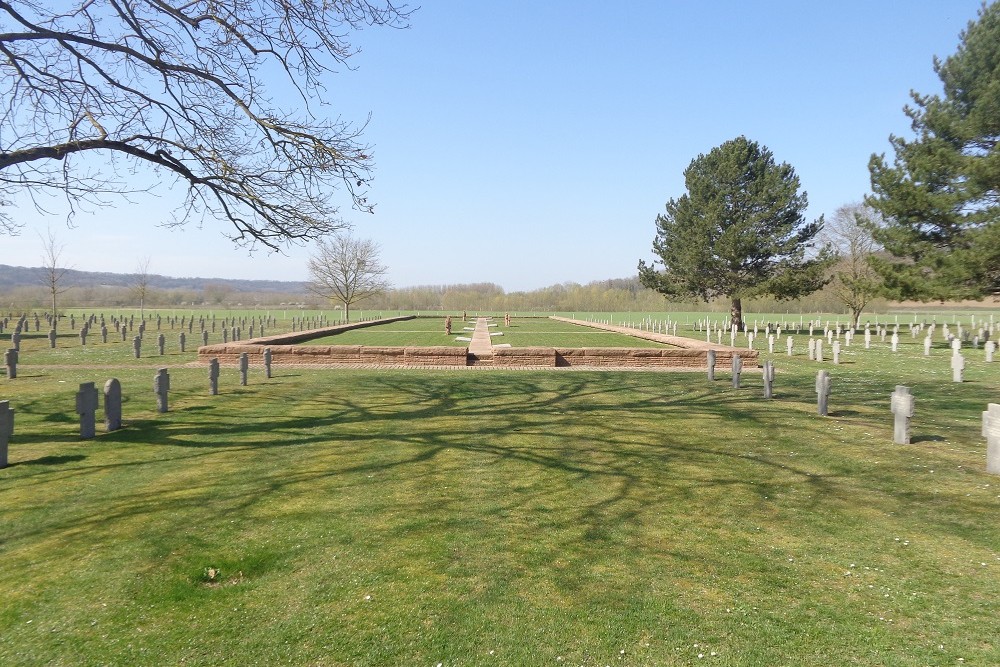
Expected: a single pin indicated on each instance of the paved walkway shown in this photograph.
(481, 345)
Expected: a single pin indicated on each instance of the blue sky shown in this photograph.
(532, 143)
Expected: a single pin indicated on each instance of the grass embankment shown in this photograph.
(468, 517)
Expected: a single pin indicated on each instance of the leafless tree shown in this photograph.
(849, 232)
(53, 271)
(141, 284)
(347, 269)
(182, 87)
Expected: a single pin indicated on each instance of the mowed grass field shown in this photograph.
(484, 517)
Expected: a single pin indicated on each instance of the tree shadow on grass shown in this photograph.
(51, 460)
(621, 437)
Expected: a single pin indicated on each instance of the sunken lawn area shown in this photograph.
(485, 517)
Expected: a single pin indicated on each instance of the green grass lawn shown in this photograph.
(418, 332)
(543, 332)
(358, 517)
(523, 332)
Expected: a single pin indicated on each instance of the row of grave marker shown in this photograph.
(901, 405)
(87, 401)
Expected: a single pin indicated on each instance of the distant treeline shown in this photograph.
(614, 295)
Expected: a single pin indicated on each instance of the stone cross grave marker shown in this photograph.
(868, 339)
(788, 344)
(902, 409)
(956, 346)
(112, 405)
(267, 362)
(819, 349)
(161, 343)
(957, 367)
(204, 337)
(823, 392)
(927, 346)
(137, 346)
(181, 340)
(990, 348)
(770, 344)
(836, 352)
(768, 378)
(52, 339)
(86, 407)
(213, 377)
(895, 342)
(991, 431)
(15, 340)
(225, 335)
(161, 385)
(812, 349)
(6, 430)
(737, 370)
(104, 333)
(244, 368)
(711, 365)
(10, 361)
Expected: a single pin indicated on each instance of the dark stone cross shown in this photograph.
(161, 385)
(6, 430)
(86, 407)
(112, 405)
(213, 377)
(10, 361)
(244, 368)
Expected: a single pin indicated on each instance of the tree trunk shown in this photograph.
(855, 317)
(347, 312)
(736, 313)
(55, 317)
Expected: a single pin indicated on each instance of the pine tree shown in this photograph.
(738, 232)
(941, 195)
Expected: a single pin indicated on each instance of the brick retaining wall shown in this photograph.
(687, 353)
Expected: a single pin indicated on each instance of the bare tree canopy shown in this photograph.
(849, 233)
(54, 271)
(348, 270)
(182, 87)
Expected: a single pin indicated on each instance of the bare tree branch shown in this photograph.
(183, 88)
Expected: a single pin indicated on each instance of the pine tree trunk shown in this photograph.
(736, 313)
